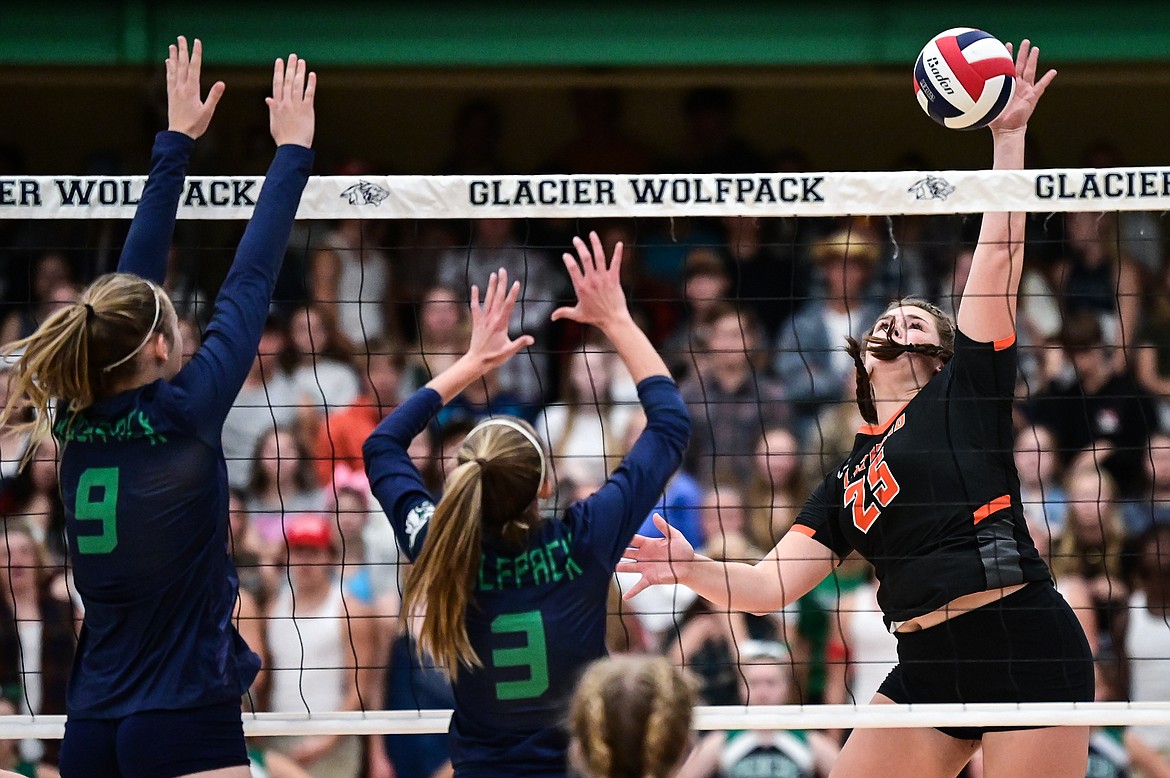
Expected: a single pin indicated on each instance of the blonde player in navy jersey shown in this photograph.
(160, 669)
(515, 605)
(931, 497)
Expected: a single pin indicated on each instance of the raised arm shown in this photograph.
(214, 375)
(602, 303)
(490, 345)
(988, 308)
(153, 227)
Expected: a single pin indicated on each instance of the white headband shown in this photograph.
(503, 422)
(149, 333)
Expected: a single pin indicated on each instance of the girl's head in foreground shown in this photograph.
(631, 718)
(121, 333)
(490, 496)
(910, 332)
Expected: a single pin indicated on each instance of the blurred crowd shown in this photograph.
(751, 314)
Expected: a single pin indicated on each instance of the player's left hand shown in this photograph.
(187, 112)
(1028, 90)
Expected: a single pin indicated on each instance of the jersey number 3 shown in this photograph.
(881, 483)
(97, 500)
(532, 655)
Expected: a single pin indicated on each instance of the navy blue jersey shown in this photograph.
(145, 486)
(537, 617)
(932, 497)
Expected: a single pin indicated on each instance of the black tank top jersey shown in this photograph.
(932, 498)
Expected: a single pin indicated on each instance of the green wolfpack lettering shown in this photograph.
(134, 426)
(543, 564)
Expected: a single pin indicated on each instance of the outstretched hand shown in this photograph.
(598, 285)
(1028, 90)
(490, 344)
(290, 109)
(186, 111)
(656, 559)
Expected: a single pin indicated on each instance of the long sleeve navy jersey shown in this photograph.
(144, 482)
(537, 616)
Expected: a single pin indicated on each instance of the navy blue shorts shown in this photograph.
(155, 744)
(1026, 647)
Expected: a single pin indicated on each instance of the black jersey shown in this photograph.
(932, 497)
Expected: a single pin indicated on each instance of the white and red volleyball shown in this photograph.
(964, 78)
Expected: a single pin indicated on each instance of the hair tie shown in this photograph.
(480, 461)
(90, 313)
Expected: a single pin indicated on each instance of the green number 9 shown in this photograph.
(97, 500)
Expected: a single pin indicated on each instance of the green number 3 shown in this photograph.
(533, 655)
(97, 500)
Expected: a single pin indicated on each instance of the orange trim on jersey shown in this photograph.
(878, 429)
(996, 505)
(1002, 343)
(803, 530)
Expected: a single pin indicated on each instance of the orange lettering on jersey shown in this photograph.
(882, 486)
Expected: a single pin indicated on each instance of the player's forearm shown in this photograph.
(149, 241)
(730, 585)
(460, 375)
(634, 348)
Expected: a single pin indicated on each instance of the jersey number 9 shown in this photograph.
(97, 500)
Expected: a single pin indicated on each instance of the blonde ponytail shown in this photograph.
(79, 352)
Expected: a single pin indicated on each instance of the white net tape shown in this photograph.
(709, 717)
(577, 196)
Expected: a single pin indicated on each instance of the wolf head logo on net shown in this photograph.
(365, 193)
(931, 188)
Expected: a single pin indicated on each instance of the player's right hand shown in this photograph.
(186, 111)
(290, 109)
(658, 560)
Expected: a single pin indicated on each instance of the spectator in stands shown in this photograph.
(282, 487)
(53, 286)
(1153, 506)
(37, 501)
(443, 330)
(495, 244)
(1095, 278)
(370, 556)
(322, 646)
(339, 440)
(1042, 492)
(1151, 365)
(765, 678)
(706, 284)
(583, 428)
(731, 401)
(320, 367)
(810, 360)
(653, 300)
(768, 277)
(723, 520)
(484, 398)
(1143, 634)
(13, 443)
(38, 626)
(1093, 539)
(777, 490)
(266, 400)
(254, 561)
(350, 274)
(1097, 405)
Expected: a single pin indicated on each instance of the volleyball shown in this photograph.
(964, 78)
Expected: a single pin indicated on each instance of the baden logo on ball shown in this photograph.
(964, 78)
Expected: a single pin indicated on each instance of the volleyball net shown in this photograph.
(748, 285)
